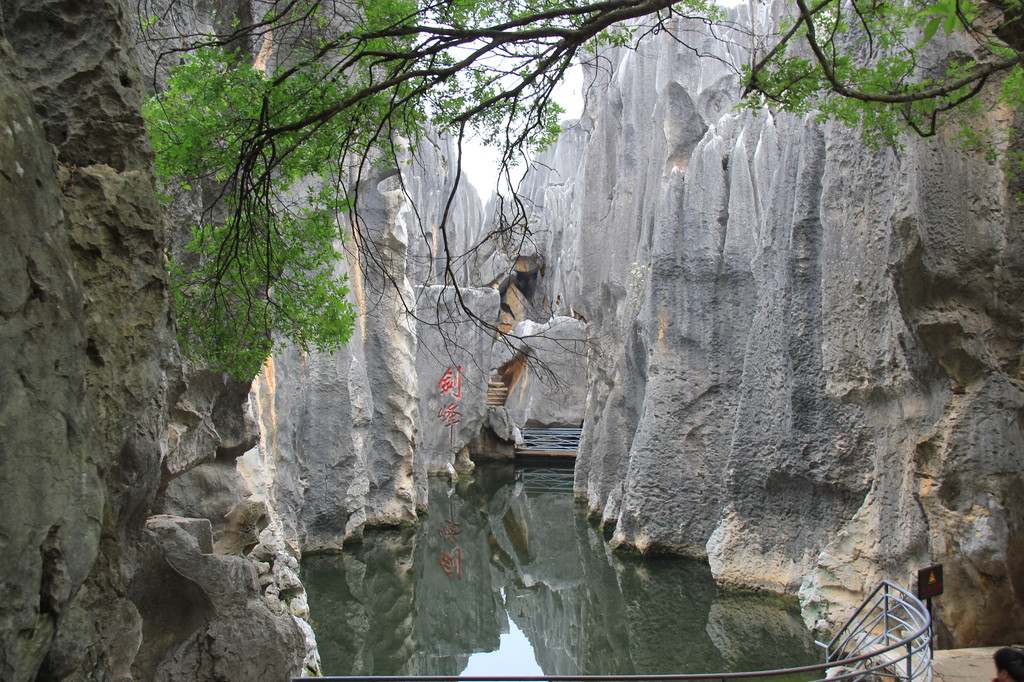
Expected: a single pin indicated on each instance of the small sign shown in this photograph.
(929, 582)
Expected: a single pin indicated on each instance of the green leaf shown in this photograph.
(930, 29)
(950, 24)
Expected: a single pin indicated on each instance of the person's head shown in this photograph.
(1009, 665)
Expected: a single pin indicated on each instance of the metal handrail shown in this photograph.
(887, 605)
(554, 438)
(889, 620)
(547, 480)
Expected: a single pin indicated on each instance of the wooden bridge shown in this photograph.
(550, 442)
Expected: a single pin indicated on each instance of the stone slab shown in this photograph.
(964, 665)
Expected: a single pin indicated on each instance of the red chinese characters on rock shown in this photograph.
(449, 531)
(450, 417)
(450, 384)
(451, 563)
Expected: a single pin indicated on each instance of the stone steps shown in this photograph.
(497, 393)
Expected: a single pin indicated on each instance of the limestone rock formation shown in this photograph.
(549, 375)
(206, 612)
(208, 421)
(96, 412)
(338, 430)
(805, 359)
(86, 339)
(454, 335)
(437, 256)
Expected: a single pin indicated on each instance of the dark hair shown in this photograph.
(1012, 661)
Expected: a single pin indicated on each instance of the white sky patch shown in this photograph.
(514, 656)
(480, 163)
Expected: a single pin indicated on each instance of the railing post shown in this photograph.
(885, 611)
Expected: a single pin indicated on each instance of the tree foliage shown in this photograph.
(264, 263)
(313, 94)
(877, 66)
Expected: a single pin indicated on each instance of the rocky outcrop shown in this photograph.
(339, 431)
(794, 339)
(96, 414)
(210, 426)
(53, 496)
(548, 379)
(204, 615)
(443, 236)
(336, 453)
(86, 336)
(454, 336)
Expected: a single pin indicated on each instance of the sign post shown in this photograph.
(929, 584)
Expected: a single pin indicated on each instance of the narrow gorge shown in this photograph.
(794, 357)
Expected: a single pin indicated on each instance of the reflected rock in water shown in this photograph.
(511, 546)
(364, 604)
(744, 626)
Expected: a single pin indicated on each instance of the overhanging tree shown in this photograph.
(325, 89)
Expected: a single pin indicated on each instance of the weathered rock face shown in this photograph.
(550, 387)
(339, 432)
(598, 205)
(95, 413)
(85, 332)
(438, 256)
(53, 496)
(337, 445)
(204, 616)
(453, 347)
(805, 362)
(940, 383)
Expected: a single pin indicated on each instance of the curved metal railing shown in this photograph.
(888, 638)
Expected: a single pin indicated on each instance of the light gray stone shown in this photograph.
(793, 339)
(455, 333)
(337, 431)
(551, 390)
(208, 420)
(340, 431)
(499, 421)
(214, 620)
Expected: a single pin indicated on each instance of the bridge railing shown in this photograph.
(887, 639)
(888, 636)
(542, 480)
(555, 439)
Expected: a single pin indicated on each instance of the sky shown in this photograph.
(514, 656)
(480, 163)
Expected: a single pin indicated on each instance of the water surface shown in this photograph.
(506, 577)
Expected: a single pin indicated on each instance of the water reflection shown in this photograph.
(508, 555)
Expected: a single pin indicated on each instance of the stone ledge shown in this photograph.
(964, 665)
